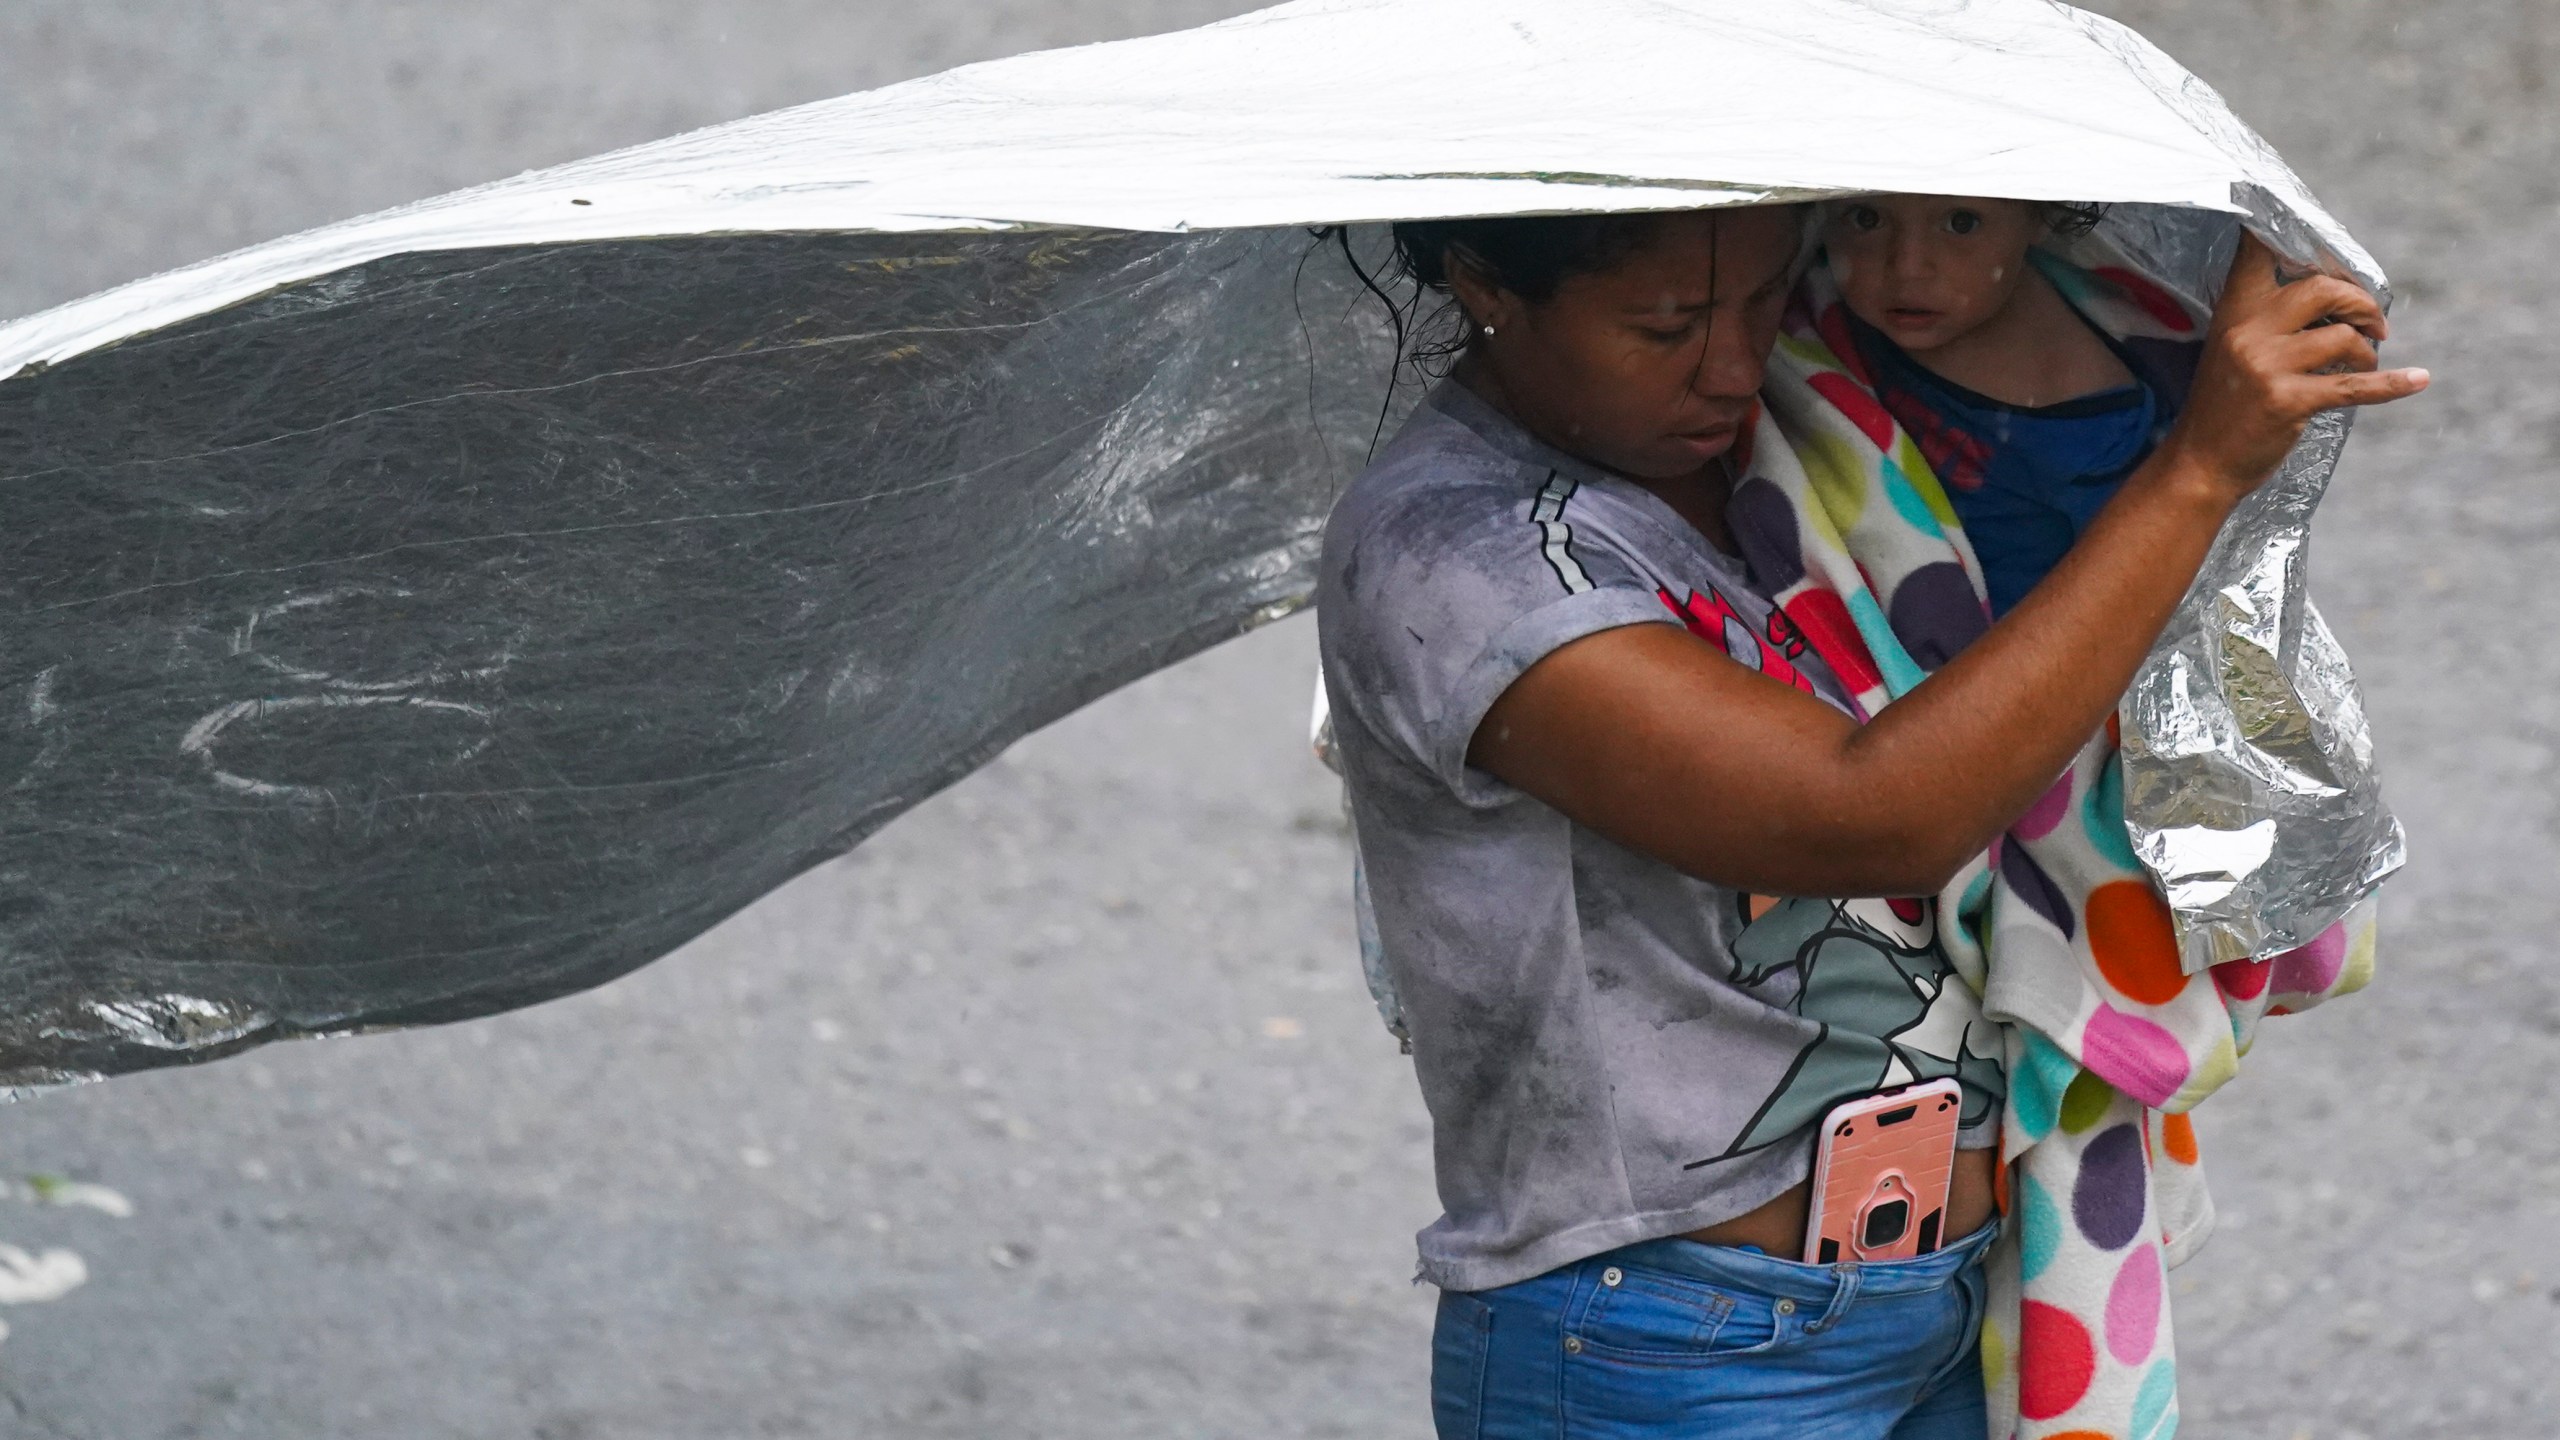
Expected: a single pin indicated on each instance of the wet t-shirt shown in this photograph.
(1611, 1051)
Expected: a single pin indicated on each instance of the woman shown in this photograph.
(1582, 754)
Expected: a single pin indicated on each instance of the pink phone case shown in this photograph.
(1881, 1173)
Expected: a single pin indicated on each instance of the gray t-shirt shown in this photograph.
(1611, 1050)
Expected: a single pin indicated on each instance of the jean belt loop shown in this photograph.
(1845, 1280)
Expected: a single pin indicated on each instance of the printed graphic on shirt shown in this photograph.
(1555, 533)
(1772, 650)
(1960, 458)
(1891, 1007)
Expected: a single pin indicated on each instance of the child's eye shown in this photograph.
(1964, 222)
(1865, 217)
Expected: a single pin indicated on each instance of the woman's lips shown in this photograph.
(1710, 442)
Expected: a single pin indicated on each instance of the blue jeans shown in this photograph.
(1674, 1338)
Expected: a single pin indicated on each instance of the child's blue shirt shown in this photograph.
(2024, 481)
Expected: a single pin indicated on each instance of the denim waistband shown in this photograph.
(1768, 1275)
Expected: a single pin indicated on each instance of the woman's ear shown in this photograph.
(1485, 303)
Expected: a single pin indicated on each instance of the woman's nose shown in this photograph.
(1732, 367)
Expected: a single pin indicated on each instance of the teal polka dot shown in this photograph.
(2036, 1086)
(2080, 287)
(2155, 1406)
(1976, 893)
(2103, 813)
(2039, 1232)
(1906, 499)
(1901, 677)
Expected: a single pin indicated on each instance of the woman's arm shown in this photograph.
(1659, 741)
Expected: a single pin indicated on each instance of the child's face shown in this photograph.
(1930, 269)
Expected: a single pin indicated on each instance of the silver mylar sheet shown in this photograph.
(2250, 787)
(536, 609)
(462, 606)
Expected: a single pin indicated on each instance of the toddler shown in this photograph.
(2031, 416)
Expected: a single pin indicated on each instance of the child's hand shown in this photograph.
(2279, 354)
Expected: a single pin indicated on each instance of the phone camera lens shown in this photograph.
(1885, 1224)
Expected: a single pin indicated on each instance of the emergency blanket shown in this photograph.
(461, 606)
(2057, 928)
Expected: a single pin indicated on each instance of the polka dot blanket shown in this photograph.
(2058, 928)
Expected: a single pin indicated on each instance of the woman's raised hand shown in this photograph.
(2280, 353)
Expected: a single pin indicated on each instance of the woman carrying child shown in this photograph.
(1583, 749)
(2031, 415)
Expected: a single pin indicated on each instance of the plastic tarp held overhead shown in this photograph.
(462, 606)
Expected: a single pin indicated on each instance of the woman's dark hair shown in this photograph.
(1529, 255)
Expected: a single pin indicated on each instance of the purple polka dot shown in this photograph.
(2046, 813)
(2112, 1193)
(1764, 525)
(2032, 885)
(2134, 1055)
(2133, 1307)
(1936, 614)
(2315, 967)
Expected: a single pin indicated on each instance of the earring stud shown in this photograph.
(1488, 330)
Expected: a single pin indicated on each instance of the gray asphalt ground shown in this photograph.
(1057, 1110)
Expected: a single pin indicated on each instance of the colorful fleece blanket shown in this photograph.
(1841, 513)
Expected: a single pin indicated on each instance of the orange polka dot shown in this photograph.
(2178, 1134)
(2137, 952)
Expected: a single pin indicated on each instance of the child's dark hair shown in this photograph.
(2071, 219)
